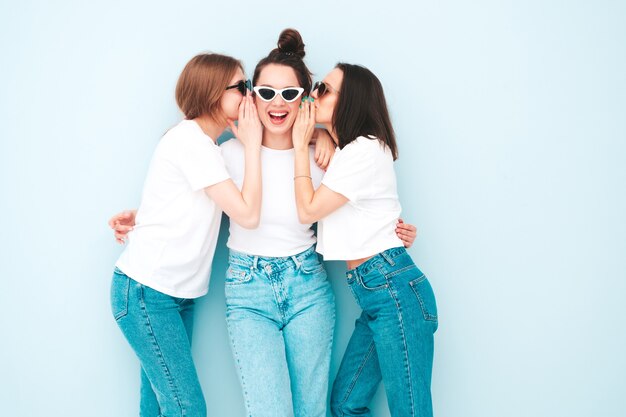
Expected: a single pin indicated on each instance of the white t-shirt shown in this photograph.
(363, 172)
(280, 233)
(172, 245)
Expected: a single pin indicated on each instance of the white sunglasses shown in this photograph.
(289, 94)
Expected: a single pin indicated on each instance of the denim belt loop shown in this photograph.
(357, 276)
(296, 261)
(388, 258)
(255, 260)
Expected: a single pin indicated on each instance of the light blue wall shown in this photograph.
(510, 118)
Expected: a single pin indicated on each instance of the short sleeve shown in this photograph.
(201, 162)
(350, 172)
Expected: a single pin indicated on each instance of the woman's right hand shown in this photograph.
(304, 126)
(324, 148)
(249, 129)
(122, 223)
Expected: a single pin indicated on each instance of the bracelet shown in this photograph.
(303, 176)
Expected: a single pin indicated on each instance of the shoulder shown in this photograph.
(232, 145)
(184, 129)
(368, 147)
(365, 142)
(360, 147)
(232, 151)
(187, 134)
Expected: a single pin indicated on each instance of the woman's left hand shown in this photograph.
(304, 125)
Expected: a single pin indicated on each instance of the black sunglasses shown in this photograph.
(242, 86)
(322, 88)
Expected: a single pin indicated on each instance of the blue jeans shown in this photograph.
(281, 316)
(158, 328)
(392, 339)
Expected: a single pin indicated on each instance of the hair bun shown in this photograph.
(290, 42)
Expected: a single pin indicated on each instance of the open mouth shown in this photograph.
(277, 117)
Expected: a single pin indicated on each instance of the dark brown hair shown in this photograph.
(290, 52)
(361, 109)
(202, 84)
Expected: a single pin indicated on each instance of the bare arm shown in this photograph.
(312, 205)
(243, 207)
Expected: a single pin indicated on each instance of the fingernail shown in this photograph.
(312, 99)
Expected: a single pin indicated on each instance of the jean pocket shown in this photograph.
(373, 281)
(237, 274)
(120, 288)
(426, 297)
(311, 264)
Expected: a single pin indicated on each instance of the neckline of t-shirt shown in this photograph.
(277, 151)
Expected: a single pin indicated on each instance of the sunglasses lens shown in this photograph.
(321, 88)
(290, 94)
(241, 86)
(266, 94)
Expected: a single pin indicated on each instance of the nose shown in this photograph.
(278, 99)
(314, 94)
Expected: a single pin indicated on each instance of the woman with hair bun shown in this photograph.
(356, 206)
(280, 308)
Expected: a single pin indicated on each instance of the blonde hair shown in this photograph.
(202, 83)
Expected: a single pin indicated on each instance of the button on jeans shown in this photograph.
(280, 314)
(392, 340)
(158, 328)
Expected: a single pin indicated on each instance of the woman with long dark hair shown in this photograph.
(356, 207)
